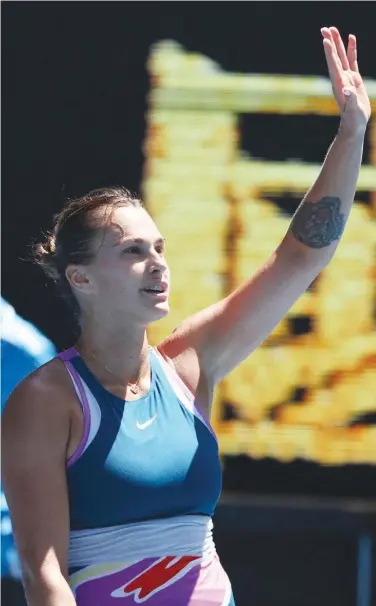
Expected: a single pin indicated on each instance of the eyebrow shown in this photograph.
(160, 240)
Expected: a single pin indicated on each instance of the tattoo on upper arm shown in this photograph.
(318, 224)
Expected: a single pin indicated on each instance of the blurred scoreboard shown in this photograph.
(309, 391)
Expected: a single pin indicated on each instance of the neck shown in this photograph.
(124, 351)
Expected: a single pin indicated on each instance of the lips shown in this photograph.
(161, 286)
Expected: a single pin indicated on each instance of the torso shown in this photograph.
(140, 460)
(202, 391)
(174, 556)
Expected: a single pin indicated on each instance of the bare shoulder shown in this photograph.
(182, 358)
(36, 426)
(185, 347)
(183, 352)
(45, 395)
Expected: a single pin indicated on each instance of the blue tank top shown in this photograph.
(156, 457)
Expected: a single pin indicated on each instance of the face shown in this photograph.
(129, 275)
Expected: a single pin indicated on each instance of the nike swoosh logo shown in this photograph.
(146, 424)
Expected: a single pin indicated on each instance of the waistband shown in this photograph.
(188, 535)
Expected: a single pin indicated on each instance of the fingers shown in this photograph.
(352, 53)
(331, 53)
(340, 47)
(344, 60)
(332, 60)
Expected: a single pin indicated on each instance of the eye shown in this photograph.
(160, 247)
(135, 250)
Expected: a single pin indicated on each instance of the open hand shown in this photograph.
(348, 86)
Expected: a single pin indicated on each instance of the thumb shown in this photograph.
(349, 97)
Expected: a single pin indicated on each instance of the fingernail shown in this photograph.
(346, 92)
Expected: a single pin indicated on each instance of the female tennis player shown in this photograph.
(111, 466)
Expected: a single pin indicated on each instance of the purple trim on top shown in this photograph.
(203, 418)
(206, 420)
(66, 356)
(196, 409)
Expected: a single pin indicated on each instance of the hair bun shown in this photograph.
(45, 256)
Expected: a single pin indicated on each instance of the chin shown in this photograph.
(162, 309)
(158, 312)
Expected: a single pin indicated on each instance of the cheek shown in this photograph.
(118, 280)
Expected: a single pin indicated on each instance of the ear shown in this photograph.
(78, 278)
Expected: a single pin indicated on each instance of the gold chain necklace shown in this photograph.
(134, 387)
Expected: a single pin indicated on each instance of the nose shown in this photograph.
(157, 263)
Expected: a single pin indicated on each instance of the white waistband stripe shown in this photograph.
(178, 536)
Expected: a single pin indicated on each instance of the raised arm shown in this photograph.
(319, 222)
(210, 344)
(35, 432)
